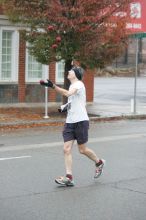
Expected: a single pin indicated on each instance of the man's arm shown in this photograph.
(65, 92)
(58, 89)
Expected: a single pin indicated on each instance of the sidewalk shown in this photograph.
(15, 116)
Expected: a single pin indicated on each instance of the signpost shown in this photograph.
(137, 36)
(46, 103)
(136, 74)
(137, 26)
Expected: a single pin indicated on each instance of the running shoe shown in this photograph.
(99, 168)
(64, 181)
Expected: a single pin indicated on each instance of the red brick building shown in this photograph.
(20, 72)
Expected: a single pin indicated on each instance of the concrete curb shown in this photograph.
(120, 117)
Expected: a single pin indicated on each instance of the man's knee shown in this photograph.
(67, 148)
(82, 149)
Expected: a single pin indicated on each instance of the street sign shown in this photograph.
(137, 21)
(139, 35)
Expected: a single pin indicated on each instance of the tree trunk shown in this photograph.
(68, 66)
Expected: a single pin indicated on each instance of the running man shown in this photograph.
(76, 126)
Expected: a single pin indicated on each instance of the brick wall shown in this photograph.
(8, 93)
(34, 93)
(52, 93)
(1, 10)
(89, 84)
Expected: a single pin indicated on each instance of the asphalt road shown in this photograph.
(119, 90)
(31, 159)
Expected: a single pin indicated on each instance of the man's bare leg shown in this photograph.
(88, 152)
(68, 179)
(68, 156)
(99, 164)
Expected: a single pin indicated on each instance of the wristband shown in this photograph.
(53, 87)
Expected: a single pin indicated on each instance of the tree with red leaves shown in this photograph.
(90, 31)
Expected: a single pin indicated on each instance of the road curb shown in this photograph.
(116, 118)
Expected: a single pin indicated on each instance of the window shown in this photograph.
(35, 70)
(8, 55)
(60, 72)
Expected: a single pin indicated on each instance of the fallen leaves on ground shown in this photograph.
(29, 115)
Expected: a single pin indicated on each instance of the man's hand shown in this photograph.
(50, 84)
(47, 84)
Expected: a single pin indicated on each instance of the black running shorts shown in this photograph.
(76, 131)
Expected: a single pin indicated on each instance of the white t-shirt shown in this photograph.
(77, 104)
